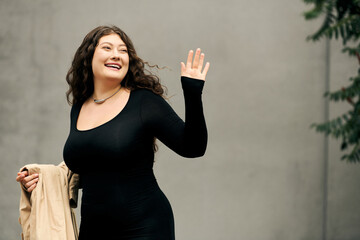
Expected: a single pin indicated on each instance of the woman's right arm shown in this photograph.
(29, 182)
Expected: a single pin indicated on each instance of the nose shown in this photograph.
(115, 55)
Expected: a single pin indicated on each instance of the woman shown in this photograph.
(118, 110)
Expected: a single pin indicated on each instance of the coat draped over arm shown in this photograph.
(46, 213)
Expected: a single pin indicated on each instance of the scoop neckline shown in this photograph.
(103, 124)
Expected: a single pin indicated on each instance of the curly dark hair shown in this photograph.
(80, 75)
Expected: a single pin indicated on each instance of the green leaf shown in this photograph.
(342, 31)
(343, 146)
(344, 157)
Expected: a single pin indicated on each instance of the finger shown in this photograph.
(21, 175)
(30, 183)
(206, 69)
(196, 58)
(20, 178)
(31, 188)
(201, 63)
(183, 68)
(189, 59)
(31, 177)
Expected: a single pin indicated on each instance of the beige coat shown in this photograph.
(46, 213)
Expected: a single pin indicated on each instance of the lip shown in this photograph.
(116, 64)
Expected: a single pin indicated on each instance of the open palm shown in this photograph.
(193, 69)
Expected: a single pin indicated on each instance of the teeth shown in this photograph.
(113, 65)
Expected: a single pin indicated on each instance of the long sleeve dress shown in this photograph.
(121, 198)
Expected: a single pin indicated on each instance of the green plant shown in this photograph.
(342, 20)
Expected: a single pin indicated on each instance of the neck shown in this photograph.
(104, 89)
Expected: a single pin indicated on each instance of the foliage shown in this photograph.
(342, 20)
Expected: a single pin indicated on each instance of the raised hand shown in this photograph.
(194, 69)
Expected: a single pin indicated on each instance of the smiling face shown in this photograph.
(111, 59)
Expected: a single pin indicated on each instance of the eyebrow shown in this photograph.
(112, 44)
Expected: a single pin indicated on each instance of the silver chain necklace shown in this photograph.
(98, 101)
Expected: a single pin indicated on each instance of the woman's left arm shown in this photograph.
(189, 138)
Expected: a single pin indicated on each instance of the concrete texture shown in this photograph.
(262, 175)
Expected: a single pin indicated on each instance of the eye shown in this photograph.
(123, 50)
(106, 47)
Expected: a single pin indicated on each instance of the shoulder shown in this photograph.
(146, 94)
(149, 101)
(75, 108)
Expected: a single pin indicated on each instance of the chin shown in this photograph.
(115, 78)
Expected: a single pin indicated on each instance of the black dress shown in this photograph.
(121, 198)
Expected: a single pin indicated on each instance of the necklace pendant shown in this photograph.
(99, 101)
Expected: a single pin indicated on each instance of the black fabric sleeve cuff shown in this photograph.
(192, 85)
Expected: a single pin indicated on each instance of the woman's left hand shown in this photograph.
(193, 69)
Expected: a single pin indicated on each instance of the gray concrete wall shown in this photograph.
(263, 174)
